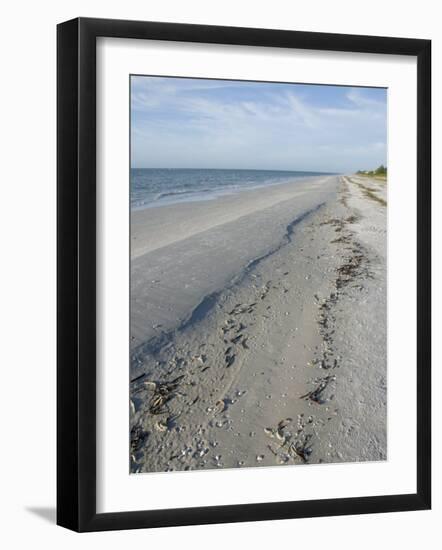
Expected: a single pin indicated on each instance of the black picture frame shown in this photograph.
(77, 287)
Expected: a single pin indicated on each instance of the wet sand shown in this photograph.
(259, 328)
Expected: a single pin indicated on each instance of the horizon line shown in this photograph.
(249, 169)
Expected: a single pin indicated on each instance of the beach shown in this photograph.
(258, 327)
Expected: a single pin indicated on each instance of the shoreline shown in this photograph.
(191, 196)
(185, 252)
(153, 227)
(288, 365)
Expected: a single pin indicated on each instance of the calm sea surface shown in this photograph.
(160, 186)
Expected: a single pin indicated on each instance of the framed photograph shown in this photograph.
(243, 274)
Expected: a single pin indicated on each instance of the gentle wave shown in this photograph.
(159, 186)
(177, 193)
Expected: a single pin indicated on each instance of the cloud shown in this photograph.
(363, 101)
(302, 112)
(206, 123)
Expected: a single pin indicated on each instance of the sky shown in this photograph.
(200, 123)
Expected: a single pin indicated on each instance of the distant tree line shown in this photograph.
(380, 171)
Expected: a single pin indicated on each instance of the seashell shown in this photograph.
(219, 407)
(230, 359)
(284, 423)
(157, 400)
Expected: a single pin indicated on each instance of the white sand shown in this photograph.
(288, 365)
(184, 252)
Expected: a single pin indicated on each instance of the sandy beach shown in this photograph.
(258, 328)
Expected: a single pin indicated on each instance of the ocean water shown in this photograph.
(159, 186)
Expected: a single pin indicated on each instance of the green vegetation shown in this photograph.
(380, 172)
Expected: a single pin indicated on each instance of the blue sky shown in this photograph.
(198, 123)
